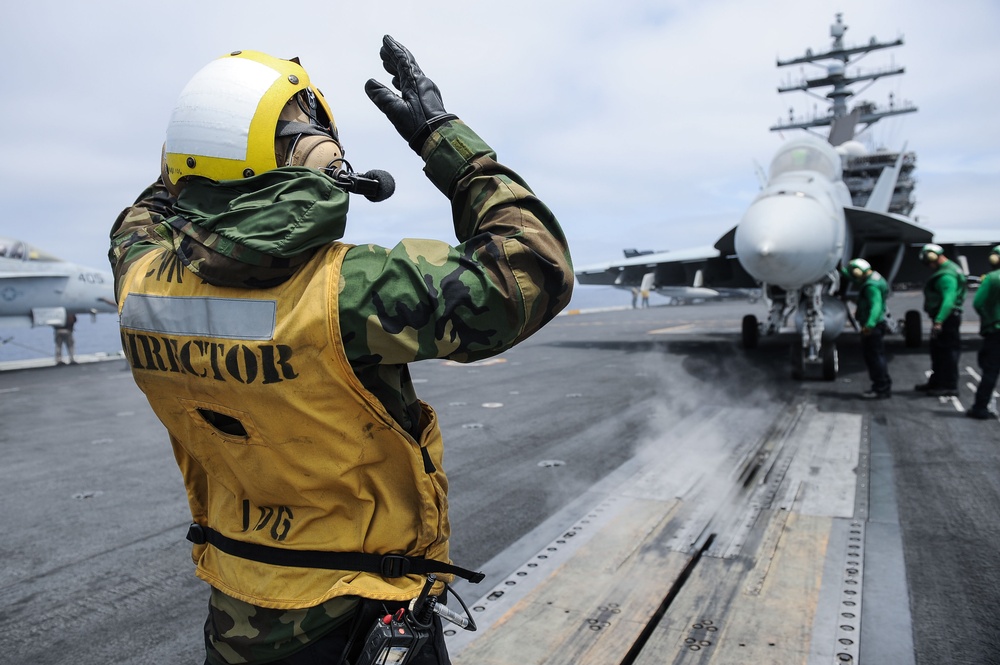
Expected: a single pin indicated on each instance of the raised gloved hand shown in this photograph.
(418, 108)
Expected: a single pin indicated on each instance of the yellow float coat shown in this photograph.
(321, 466)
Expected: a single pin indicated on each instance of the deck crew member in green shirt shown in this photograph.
(870, 314)
(987, 304)
(944, 294)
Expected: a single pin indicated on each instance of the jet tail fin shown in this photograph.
(881, 195)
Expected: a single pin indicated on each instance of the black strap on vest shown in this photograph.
(386, 565)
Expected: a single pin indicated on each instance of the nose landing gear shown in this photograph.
(828, 359)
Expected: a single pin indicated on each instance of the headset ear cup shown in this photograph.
(932, 257)
(315, 152)
(995, 259)
(856, 273)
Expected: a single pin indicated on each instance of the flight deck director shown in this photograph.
(276, 356)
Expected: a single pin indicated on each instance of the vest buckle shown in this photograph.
(394, 565)
(196, 534)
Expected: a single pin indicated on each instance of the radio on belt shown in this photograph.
(396, 638)
(393, 640)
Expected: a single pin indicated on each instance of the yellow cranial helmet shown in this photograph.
(241, 114)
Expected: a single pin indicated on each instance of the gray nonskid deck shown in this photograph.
(97, 570)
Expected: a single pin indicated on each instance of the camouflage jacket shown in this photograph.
(509, 274)
(422, 299)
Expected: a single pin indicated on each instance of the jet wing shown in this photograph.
(886, 241)
(890, 243)
(869, 225)
(712, 268)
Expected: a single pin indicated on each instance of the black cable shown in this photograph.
(472, 622)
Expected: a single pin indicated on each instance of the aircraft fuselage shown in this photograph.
(39, 289)
(794, 232)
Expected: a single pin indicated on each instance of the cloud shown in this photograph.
(639, 123)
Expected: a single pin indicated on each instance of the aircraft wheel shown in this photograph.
(911, 329)
(798, 362)
(831, 362)
(751, 332)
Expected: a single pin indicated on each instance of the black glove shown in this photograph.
(418, 109)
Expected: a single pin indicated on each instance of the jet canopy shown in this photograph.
(22, 251)
(807, 154)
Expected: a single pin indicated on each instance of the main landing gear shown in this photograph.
(751, 332)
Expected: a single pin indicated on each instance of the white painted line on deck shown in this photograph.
(979, 379)
(671, 329)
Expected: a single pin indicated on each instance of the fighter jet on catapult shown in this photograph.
(826, 201)
(38, 289)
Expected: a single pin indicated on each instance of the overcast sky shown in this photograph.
(638, 122)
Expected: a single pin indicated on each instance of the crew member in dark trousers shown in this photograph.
(870, 313)
(64, 337)
(944, 294)
(987, 304)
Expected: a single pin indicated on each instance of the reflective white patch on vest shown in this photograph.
(213, 114)
(226, 318)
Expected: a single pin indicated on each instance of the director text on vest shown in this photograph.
(271, 363)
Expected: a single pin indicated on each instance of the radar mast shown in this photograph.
(841, 120)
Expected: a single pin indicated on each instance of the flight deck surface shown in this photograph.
(637, 488)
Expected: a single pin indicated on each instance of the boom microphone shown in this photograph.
(375, 185)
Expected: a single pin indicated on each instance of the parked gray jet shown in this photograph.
(38, 289)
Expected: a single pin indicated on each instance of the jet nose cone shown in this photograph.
(789, 240)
